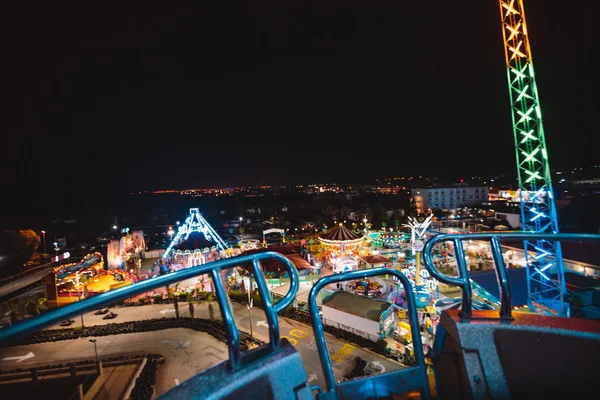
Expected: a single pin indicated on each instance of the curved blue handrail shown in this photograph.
(411, 378)
(31, 325)
(463, 280)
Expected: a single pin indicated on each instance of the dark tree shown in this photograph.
(176, 305)
(17, 247)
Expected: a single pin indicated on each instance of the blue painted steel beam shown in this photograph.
(418, 380)
(463, 281)
(36, 324)
(233, 334)
(272, 320)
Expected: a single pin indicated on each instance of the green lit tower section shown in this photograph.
(538, 211)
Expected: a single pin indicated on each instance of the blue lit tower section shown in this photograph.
(195, 222)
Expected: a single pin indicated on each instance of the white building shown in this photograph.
(512, 218)
(449, 198)
(361, 315)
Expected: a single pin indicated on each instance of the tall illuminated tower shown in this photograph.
(538, 211)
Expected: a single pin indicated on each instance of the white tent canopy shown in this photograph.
(344, 264)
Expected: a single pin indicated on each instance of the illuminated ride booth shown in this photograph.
(76, 281)
(127, 252)
(343, 264)
(340, 248)
(66, 283)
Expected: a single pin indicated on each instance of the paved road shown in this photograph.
(21, 299)
(21, 283)
(300, 335)
(180, 347)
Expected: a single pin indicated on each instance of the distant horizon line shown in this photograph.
(455, 179)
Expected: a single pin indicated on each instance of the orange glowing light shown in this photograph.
(516, 51)
(514, 31)
(509, 8)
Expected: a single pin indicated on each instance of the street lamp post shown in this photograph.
(56, 249)
(95, 351)
(250, 304)
(80, 297)
(248, 283)
(241, 234)
(44, 239)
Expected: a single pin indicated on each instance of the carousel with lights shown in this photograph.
(340, 248)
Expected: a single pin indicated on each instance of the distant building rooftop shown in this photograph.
(360, 306)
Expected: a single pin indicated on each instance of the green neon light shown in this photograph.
(524, 94)
(519, 74)
(524, 116)
(538, 111)
(529, 157)
(528, 136)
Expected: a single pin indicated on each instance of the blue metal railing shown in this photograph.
(463, 280)
(32, 325)
(401, 381)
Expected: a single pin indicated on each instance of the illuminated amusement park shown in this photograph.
(332, 300)
(327, 252)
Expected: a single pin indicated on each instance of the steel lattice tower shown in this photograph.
(538, 211)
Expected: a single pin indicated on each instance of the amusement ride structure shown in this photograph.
(538, 211)
(195, 222)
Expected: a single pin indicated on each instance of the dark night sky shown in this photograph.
(134, 98)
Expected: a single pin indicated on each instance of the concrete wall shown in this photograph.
(95, 388)
(137, 374)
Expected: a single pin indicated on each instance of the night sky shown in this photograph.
(273, 92)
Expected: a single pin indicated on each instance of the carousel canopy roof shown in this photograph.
(338, 235)
(195, 240)
(377, 259)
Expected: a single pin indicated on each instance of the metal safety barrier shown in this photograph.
(480, 354)
(36, 324)
(463, 280)
(380, 386)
